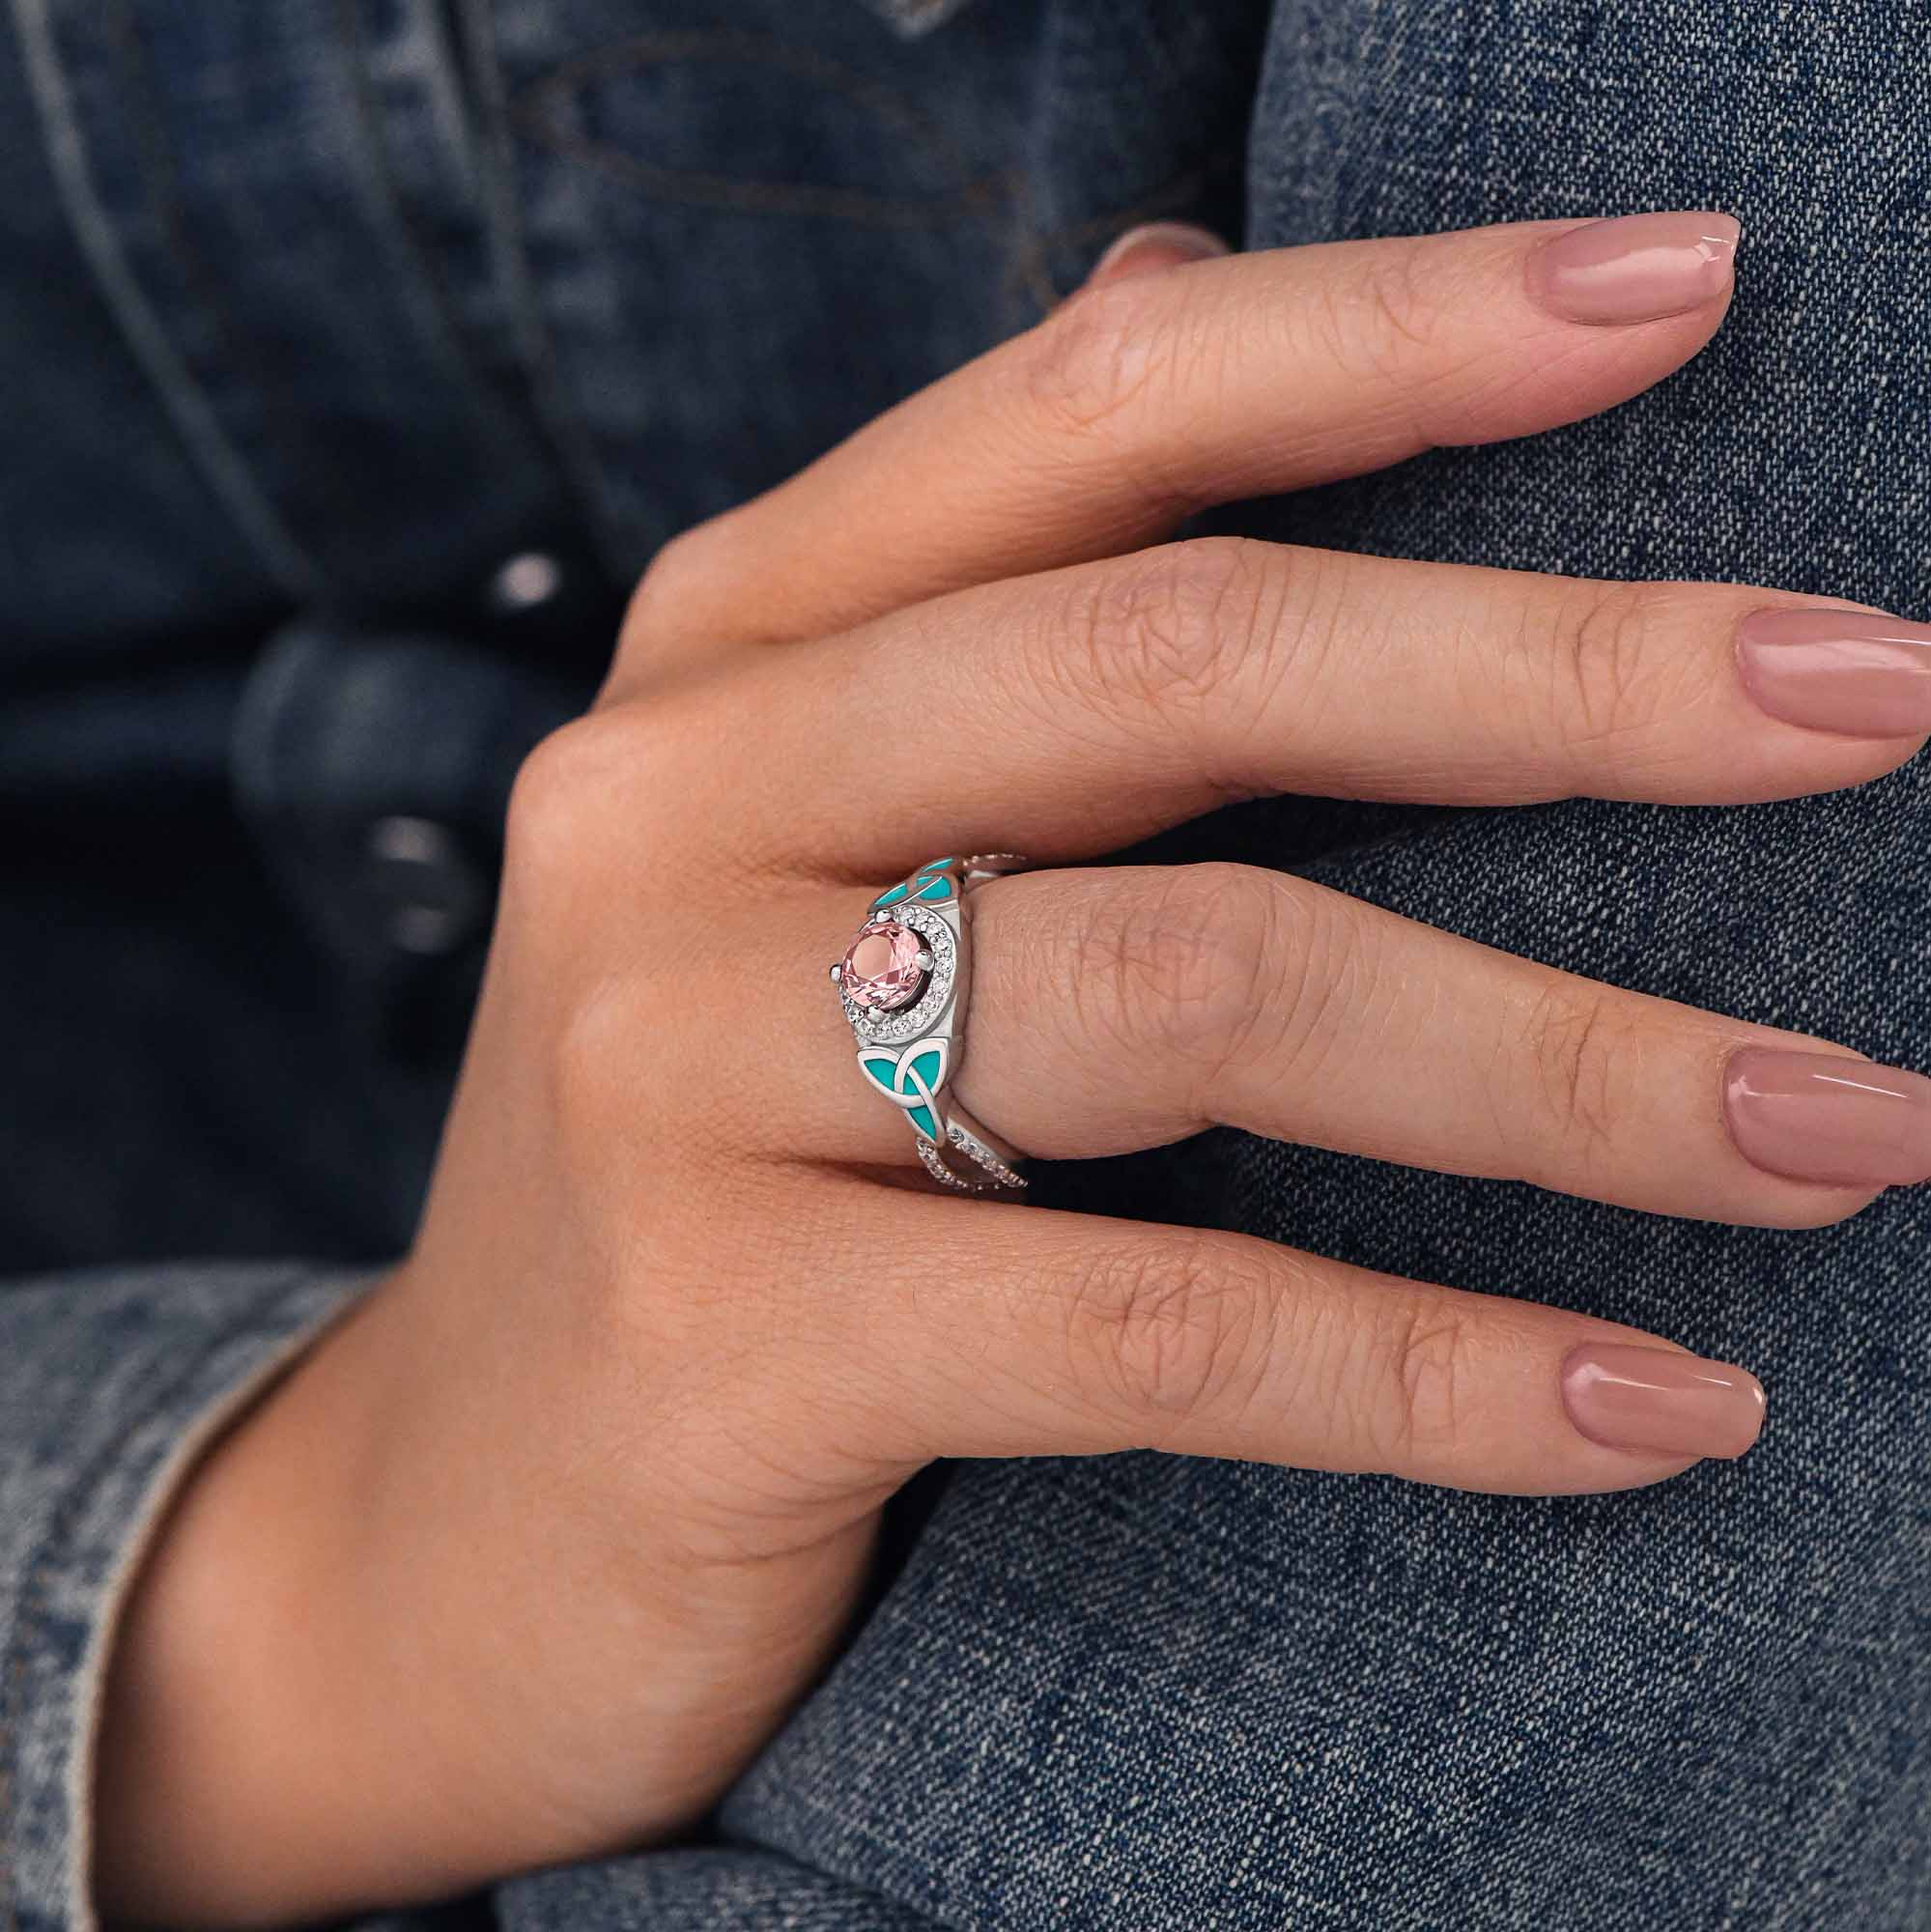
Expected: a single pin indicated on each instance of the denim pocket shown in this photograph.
(734, 120)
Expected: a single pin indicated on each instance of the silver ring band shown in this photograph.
(905, 983)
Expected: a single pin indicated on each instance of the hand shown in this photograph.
(529, 1556)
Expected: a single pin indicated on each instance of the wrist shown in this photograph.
(235, 1754)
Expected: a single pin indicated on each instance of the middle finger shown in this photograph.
(1071, 714)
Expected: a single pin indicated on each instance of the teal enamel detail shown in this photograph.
(883, 1070)
(924, 1066)
(921, 1117)
(924, 884)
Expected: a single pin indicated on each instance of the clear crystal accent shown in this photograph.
(969, 1144)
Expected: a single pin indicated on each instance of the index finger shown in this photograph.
(1145, 400)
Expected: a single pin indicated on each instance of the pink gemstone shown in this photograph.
(881, 971)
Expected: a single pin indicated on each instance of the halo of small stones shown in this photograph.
(880, 1027)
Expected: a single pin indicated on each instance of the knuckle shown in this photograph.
(1384, 317)
(1398, 292)
(1582, 1048)
(673, 597)
(592, 1055)
(635, 1101)
(1169, 629)
(1184, 956)
(579, 796)
(561, 795)
(1413, 1399)
(1331, 981)
(631, 1119)
(676, 563)
(1607, 693)
(1169, 1332)
(1090, 363)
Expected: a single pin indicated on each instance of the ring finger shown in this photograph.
(1121, 1009)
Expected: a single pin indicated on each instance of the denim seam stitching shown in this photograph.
(182, 396)
(453, 343)
(170, 207)
(568, 437)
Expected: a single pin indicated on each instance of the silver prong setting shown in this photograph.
(887, 1028)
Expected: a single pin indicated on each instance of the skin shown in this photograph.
(527, 1556)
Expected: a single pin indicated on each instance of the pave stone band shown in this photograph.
(904, 984)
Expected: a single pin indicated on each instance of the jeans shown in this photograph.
(357, 357)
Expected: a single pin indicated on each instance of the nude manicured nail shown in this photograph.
(1818, 1117)
(1655, 1400)
(1638, 267)
(1840, 671)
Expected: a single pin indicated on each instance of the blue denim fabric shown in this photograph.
(317, 316)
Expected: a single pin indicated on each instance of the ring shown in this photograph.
(904, 982)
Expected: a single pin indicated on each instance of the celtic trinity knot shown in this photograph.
(911, 1078)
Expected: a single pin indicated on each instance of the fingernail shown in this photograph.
(1638, 267)
(1840, 671)
(1819, 1117)
(1164, 245)
(1655, 1399)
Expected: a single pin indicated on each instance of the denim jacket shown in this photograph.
(356, 358)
